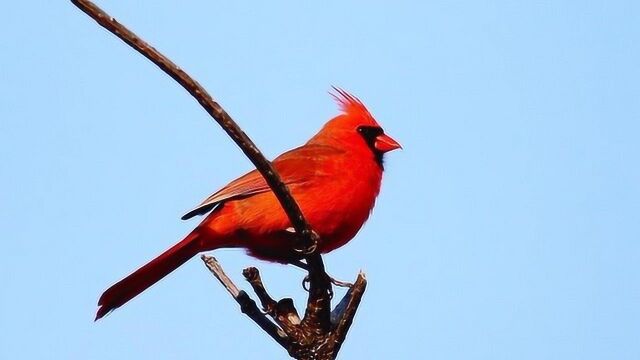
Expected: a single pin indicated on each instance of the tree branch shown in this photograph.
(247, 305)
(315, 336)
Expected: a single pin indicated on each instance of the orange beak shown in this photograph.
(386, 143)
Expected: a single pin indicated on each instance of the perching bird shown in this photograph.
(335, 178)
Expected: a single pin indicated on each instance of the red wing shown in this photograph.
(296, 166)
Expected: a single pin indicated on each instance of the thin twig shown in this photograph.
(217, 271)
(308, 238)
(252, 275)
(247, 305)
(283, 312)
(320, 287)
(345, 315)
(316, 336)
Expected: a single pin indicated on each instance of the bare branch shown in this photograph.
(214, 266)
(247, 305)
(345, 311)
(283, 312)
(252, 275)
(316, 336)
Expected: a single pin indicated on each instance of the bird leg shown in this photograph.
(308, 250)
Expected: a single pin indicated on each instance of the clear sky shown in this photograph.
(508, 228)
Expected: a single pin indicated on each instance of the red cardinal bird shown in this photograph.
(335, 178)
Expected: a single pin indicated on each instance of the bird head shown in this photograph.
(355, 128)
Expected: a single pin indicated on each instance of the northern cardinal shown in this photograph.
(335, 178)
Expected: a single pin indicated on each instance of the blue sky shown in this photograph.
(508, 227)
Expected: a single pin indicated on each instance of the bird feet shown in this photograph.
(339, 283)
(306, 279)
(307, 250)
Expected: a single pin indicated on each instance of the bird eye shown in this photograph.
(370, 132)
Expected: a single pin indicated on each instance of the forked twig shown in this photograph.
(247, 305)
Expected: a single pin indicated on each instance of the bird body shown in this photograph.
(335, 178)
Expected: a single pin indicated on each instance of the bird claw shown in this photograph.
(306, 282)
(335, 282)
(310, 249)
(340, 283)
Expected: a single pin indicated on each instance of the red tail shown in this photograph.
(129, 287)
